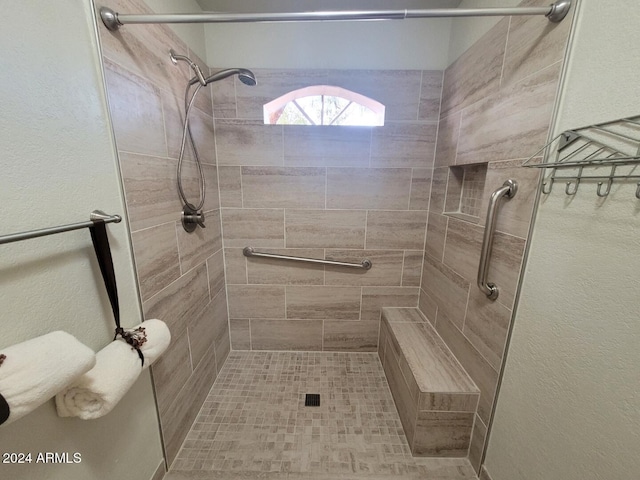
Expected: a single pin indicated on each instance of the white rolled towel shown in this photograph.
(33, 371)
(118, 366)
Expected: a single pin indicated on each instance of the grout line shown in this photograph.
(446, 232)
(466, 308)
(404, 257)
(176, 226)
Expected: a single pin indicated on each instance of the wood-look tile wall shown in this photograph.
(342, 193)
(181, 275)
(497, 106)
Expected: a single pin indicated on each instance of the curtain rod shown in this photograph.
(555, 12)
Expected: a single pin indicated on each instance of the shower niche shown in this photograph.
(465, 190)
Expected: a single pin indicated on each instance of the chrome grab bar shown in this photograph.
(366, 264)
(509, 190)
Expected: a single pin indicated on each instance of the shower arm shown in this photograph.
(556, 12)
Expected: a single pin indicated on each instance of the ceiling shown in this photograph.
(260, 6)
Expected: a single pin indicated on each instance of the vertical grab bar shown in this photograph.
(508, 190)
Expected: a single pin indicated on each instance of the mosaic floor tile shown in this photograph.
(254, 423)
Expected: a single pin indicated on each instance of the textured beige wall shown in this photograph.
(497, 105)
(181, 275)
(569, 407)
(344, 193)
(58, 164)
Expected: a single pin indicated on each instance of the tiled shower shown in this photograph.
(410, 196)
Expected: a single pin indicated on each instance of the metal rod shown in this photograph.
(508, 190)
(366, 264)
(113, 20)
(96, 216)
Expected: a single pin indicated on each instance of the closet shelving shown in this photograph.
(601, 153)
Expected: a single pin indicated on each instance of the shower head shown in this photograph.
(199, 76)
(245, 76)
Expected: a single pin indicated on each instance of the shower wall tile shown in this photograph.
(486, 326)
(150, 190)
(235, 266)
(215, 271)
(374, 298)
(180, 301)
(447, 288)
(430, 95)
(222, 342)
(420, 188)
(185, 406)
(269, 271)
(386, 270)
(412, 268)
(303, 335)
(319, 146)
(448, 135)
(350, 336)
(403, 230)
(516, 213)
(506, 262)
(277, 187)
(443, 434)
(203, 101)
(223, 97)
(256, 301)
(463, 245)
(322, 302)
(146, 98)
(497, 105)
(478, 439)
(156, 252)
(528, 51)
(196, 247)
(438, 190)
(230, 180)
(136, 111)
(511, 124)
(240, 333)
(253, 227)
(372, 188)
(172, 371)
(145, 51)
(476, 74)
(436, 234)
(428, 306)
(202, 129)
(485, 377)
(201, 334)
(404, 145)
(308, 191)
(397, 90)
(248, 142)
(325, 228)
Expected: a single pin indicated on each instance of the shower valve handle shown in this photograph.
(191, 219)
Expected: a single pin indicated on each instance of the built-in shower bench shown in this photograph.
(434, 395)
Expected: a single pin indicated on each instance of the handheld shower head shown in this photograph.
(245, 76)
(199, 76)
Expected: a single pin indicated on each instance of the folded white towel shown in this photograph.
(117, 368)
(34, 371)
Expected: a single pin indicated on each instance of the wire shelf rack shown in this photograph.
(608, 151)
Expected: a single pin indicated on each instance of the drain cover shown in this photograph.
(312, 400)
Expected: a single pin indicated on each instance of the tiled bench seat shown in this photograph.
(435, 397)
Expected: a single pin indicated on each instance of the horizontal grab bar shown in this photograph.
(96, 216)
(508, 190)
(250, 252)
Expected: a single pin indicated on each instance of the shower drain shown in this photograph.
(312, 400)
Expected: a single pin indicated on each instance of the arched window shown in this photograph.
(324, 105)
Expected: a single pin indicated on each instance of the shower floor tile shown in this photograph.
(254, 423)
